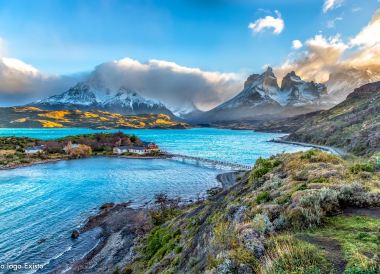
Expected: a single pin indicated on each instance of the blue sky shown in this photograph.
(64, 37)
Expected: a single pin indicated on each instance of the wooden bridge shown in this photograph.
(208, 161)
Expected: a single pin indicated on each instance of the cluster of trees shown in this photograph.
(80, 152)
(104, 141)
(98, 142)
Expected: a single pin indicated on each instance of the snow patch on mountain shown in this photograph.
(260, 89)
(87, 96)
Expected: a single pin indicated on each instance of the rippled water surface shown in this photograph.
(239, 146)
(48, 201)
(45, 202)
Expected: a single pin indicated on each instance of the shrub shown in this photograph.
(314, 206)
(263, 197)
(319, 180)
(160, 241)
(301, 175)
(362, 270)
(308, 154)
(285, 198)
(80, 152)
(280, 223)
(356, 195)
(244, 256)
(262, 224)
(262, 167)
(224, 236)
(165, 208)
(355, 169)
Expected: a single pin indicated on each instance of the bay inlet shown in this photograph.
(40, 205)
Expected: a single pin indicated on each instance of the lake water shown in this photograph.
(238, 146)
(48, 201)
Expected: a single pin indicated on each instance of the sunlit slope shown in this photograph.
(33, 117)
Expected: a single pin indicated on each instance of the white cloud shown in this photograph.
(297, 44)
(268, 22)
(313, 64)
(331, 4)
(21, 83)
(326, 55)
(20, 66)
(369, 35)
(175, 85)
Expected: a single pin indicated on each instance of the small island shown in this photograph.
(23, 151)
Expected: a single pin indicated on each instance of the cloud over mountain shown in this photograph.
(326, 55)
(174, 85)
(177, 86)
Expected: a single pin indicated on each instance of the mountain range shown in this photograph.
(86, 96)
(262, 98)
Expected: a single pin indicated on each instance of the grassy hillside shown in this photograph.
(32, 117)
(279, 218)
(353, 125)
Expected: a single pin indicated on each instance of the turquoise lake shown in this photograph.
(48, 201)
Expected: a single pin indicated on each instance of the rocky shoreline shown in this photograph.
(333, 150)
(40, 162)
(121, 226)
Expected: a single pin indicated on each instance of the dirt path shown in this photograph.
(332, 248)
(368, 212)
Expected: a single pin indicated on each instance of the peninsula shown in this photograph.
(23, 151)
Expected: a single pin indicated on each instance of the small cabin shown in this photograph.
(35, 149)
(130, 149)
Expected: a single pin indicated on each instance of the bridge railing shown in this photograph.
(216, 162)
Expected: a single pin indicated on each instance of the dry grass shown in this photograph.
(90, 115)
(49, 124)
(4, 152)
(59, 114)
(25, 109)
(289, 255)
(21, 120)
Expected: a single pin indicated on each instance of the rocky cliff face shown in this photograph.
(295, 91)
(263, 98)
(85, 96)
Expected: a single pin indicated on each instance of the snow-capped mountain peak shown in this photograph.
(131, 99)
(85, 96)
(80, 94)
(295, 91)
(262, 96)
